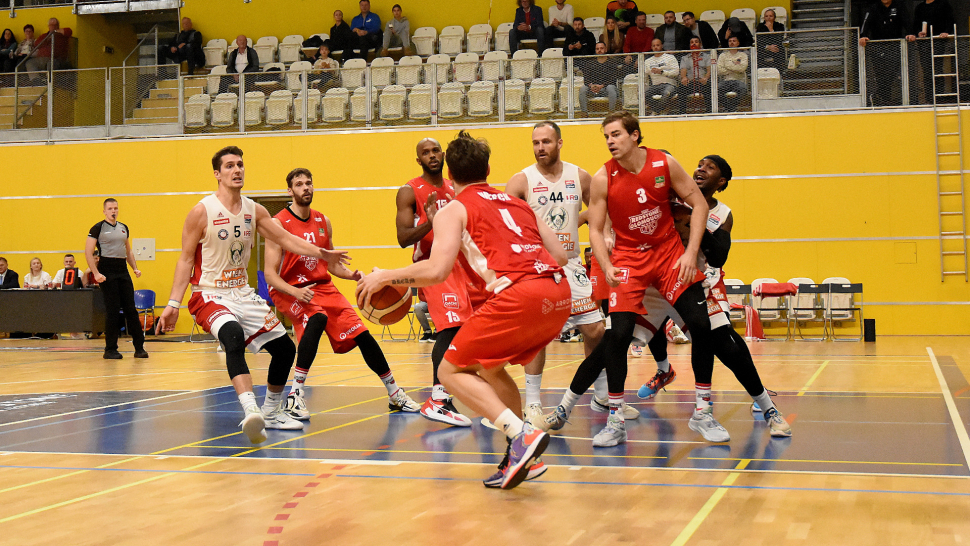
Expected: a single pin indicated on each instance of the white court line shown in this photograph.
(102, 407)
(952, 408)
(634, 441)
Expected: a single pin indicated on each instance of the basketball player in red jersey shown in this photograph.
(500, 243)
(448, 303)
(301, 288)
(216, 242)
(633, 190)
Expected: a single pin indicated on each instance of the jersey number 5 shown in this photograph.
(510, 222)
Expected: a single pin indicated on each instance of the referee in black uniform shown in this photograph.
(110, 238)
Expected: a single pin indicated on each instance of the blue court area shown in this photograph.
(844, 432)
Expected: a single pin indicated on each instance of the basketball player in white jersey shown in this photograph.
(556, 191)
(216, 242)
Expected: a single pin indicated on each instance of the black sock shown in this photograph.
(731, 349)
(441, 343)
(692, 307)
(621, 325)
(372, 353)
(310, 341)
(658, 343)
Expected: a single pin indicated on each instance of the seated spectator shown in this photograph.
(421, 313)
(398, 32)
(673, 35)
(663, 70)
(184, 46)
(40, 60)
(732, 68)
(885, 20)
(560, 20)
(612, 37)
(579, 41)
(242, 60)
(68, 278)
(770, 54)
(37, 279)
(639, 37)
(528, 24)
(8, 47)
(328, 67)
(8, 277)
(624, 12)
(599, 75)
(23, 50)
(365, 33)
(702, 30)
(735, 27)
(695, 76)
(340, 34)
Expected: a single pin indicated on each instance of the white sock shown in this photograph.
(533, 384)
(663, 365)
(439, 393)
(764, 401)
(248, 400)
(389, 382)
(616, 406)
(509, 423)
(601, 389)
(569, 400)
(702, 396)
(299, 377)
(272, 401)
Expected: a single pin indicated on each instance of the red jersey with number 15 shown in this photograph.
(422, 189)
(299, 270)
(639, 204)
(501, 243)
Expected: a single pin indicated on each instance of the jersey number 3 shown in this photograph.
(641, 195)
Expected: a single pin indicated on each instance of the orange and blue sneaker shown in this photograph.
(650, 389)
(537, 469)
(525, 447)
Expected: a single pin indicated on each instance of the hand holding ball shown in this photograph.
(384, 306)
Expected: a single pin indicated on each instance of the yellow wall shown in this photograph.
(282, 17)
(870, 207)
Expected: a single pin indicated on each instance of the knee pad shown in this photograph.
(234, 342)
(283, 351)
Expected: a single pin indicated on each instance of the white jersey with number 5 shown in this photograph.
(558, 203)
(223, 253)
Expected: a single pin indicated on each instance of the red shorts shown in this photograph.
(641, 269)
(601, 290)
(513, 325)
(449, 303)
(343, 324)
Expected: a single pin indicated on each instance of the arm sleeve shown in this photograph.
(95, 231)
(716, 247)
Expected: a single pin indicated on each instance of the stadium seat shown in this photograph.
(312, 106)
(654, 20)
(296, 74)
(768, 308)
(523, 64)
(255, 104)
(381, 71)
(839, 305)
(197, 110)
(289, 48)
(441, 64)
(391, 102)
(419, 102)
(781, 15)
(479, 39)
(358, 104)
(542, 92)
(747, 16)
(715, 18)
(502, 37)
(266, 49)
(424, 39)
(409, 71)
(481, 96)
(679, 17)
(270, 80)
(451, 39)
(450, 100)
(805, 307)
(769, 79)
(215, 78)
(352, 73)
(736, 315)
(595, 25)
(145, 305)
(215, 52)
(278, 107)
(466, 68)
(552, 64)
(335, 105)
(631, 92)
(493, 65)
(578, 87)
(223, 110)
(311, 52)
(514, 95)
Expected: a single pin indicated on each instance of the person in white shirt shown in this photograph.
(732, 71)
(663, 70)
(560, 20)
(37, 279)
(73, 279)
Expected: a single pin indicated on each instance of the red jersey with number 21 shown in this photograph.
(422, 189)
(501, 243)
(639, 204)
(299, 270)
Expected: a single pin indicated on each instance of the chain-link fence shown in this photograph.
(811, 63)
(901, 72)
(145, 94)
(23, 100)
(78, 97)
(963, 66)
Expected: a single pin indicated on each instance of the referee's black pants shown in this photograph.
(119, 295)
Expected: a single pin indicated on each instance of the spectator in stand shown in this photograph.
(663, 70)
(242, 60)
(579, 41)
(673, 35)
(340, 34)
(421, 313)
(528, 24)
(366, 32)
(639, 37)
(612, 37)
(701, 30)
(560, 18)
(185, 46)
(327, 65)
(732, 67)
(40, 60)
(23, 50)
(8, 47)
(933, 18)
(624, 11)
(770, 54)
(735, 27)
(885, 20)
(37, 279)
(695, 75)
(398, 32)
(68, 278)
(8, 277)
(599, 75)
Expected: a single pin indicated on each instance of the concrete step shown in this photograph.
(170, 112)
(140, 121)
(160, 103)
(23, 91)
(173, 93)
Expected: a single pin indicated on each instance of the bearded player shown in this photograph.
(301, 287)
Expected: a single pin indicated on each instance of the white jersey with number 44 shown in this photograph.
(558, 203)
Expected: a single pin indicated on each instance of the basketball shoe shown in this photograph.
(400, 401)
(533, 414)
(555, 420)
(660, 380)
(295, 406)
(537, 469)
(614, 433)
(279, 420)
(755, 408)
(254, 426)
(704, 422)
(603, 406)
(777, 425)
(444, 411)
(526, 446)
(636, 351)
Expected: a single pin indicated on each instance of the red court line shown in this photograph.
(962, 391)
(282, 517)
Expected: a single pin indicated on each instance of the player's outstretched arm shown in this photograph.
(291, 243)
(597, 224)
(271, 267)
(192, 233)
(687, 190)
(551, 241)
(408, 233)
(518, 186)
(448, 226)
(341, 270)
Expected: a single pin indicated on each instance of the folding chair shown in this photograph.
(803, 308)
(839, 297)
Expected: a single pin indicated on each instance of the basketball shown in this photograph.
(388, 305)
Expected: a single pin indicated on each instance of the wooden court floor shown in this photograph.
(138, 452)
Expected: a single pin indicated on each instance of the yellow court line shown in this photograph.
(813, 378)
(708, 507)
(302, 436)
(38, 482)
(823, 461)
(332, 449)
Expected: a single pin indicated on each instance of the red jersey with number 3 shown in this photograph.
(501, 244)
(299, 270)
(422, 189)
(639, 204)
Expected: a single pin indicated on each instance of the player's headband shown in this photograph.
(722, 165)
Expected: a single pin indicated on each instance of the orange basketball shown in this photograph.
(389, 305)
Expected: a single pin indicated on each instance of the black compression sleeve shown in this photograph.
(716, 247)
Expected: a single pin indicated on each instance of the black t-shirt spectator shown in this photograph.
(586, 39)
(885, 23)
(340, 37)
(938, 16)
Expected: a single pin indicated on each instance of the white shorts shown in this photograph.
(585, 310)
(214, 308)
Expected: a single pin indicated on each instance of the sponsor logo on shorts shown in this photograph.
(451, 347)
(450, 301)
(220, 222)
(212, 318)
(646, 221)
(296, 308)
(345, 335)
(223, 234)
(525, 248)
(211, 297)
(658, 182)
(494, 196)
(571, 184)
(270, 321)
(673, 291)
(236, 253)
(712, 307)
(583, 306)
(557, 218)
(623, 274)
(580, 277)
(547, 306)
